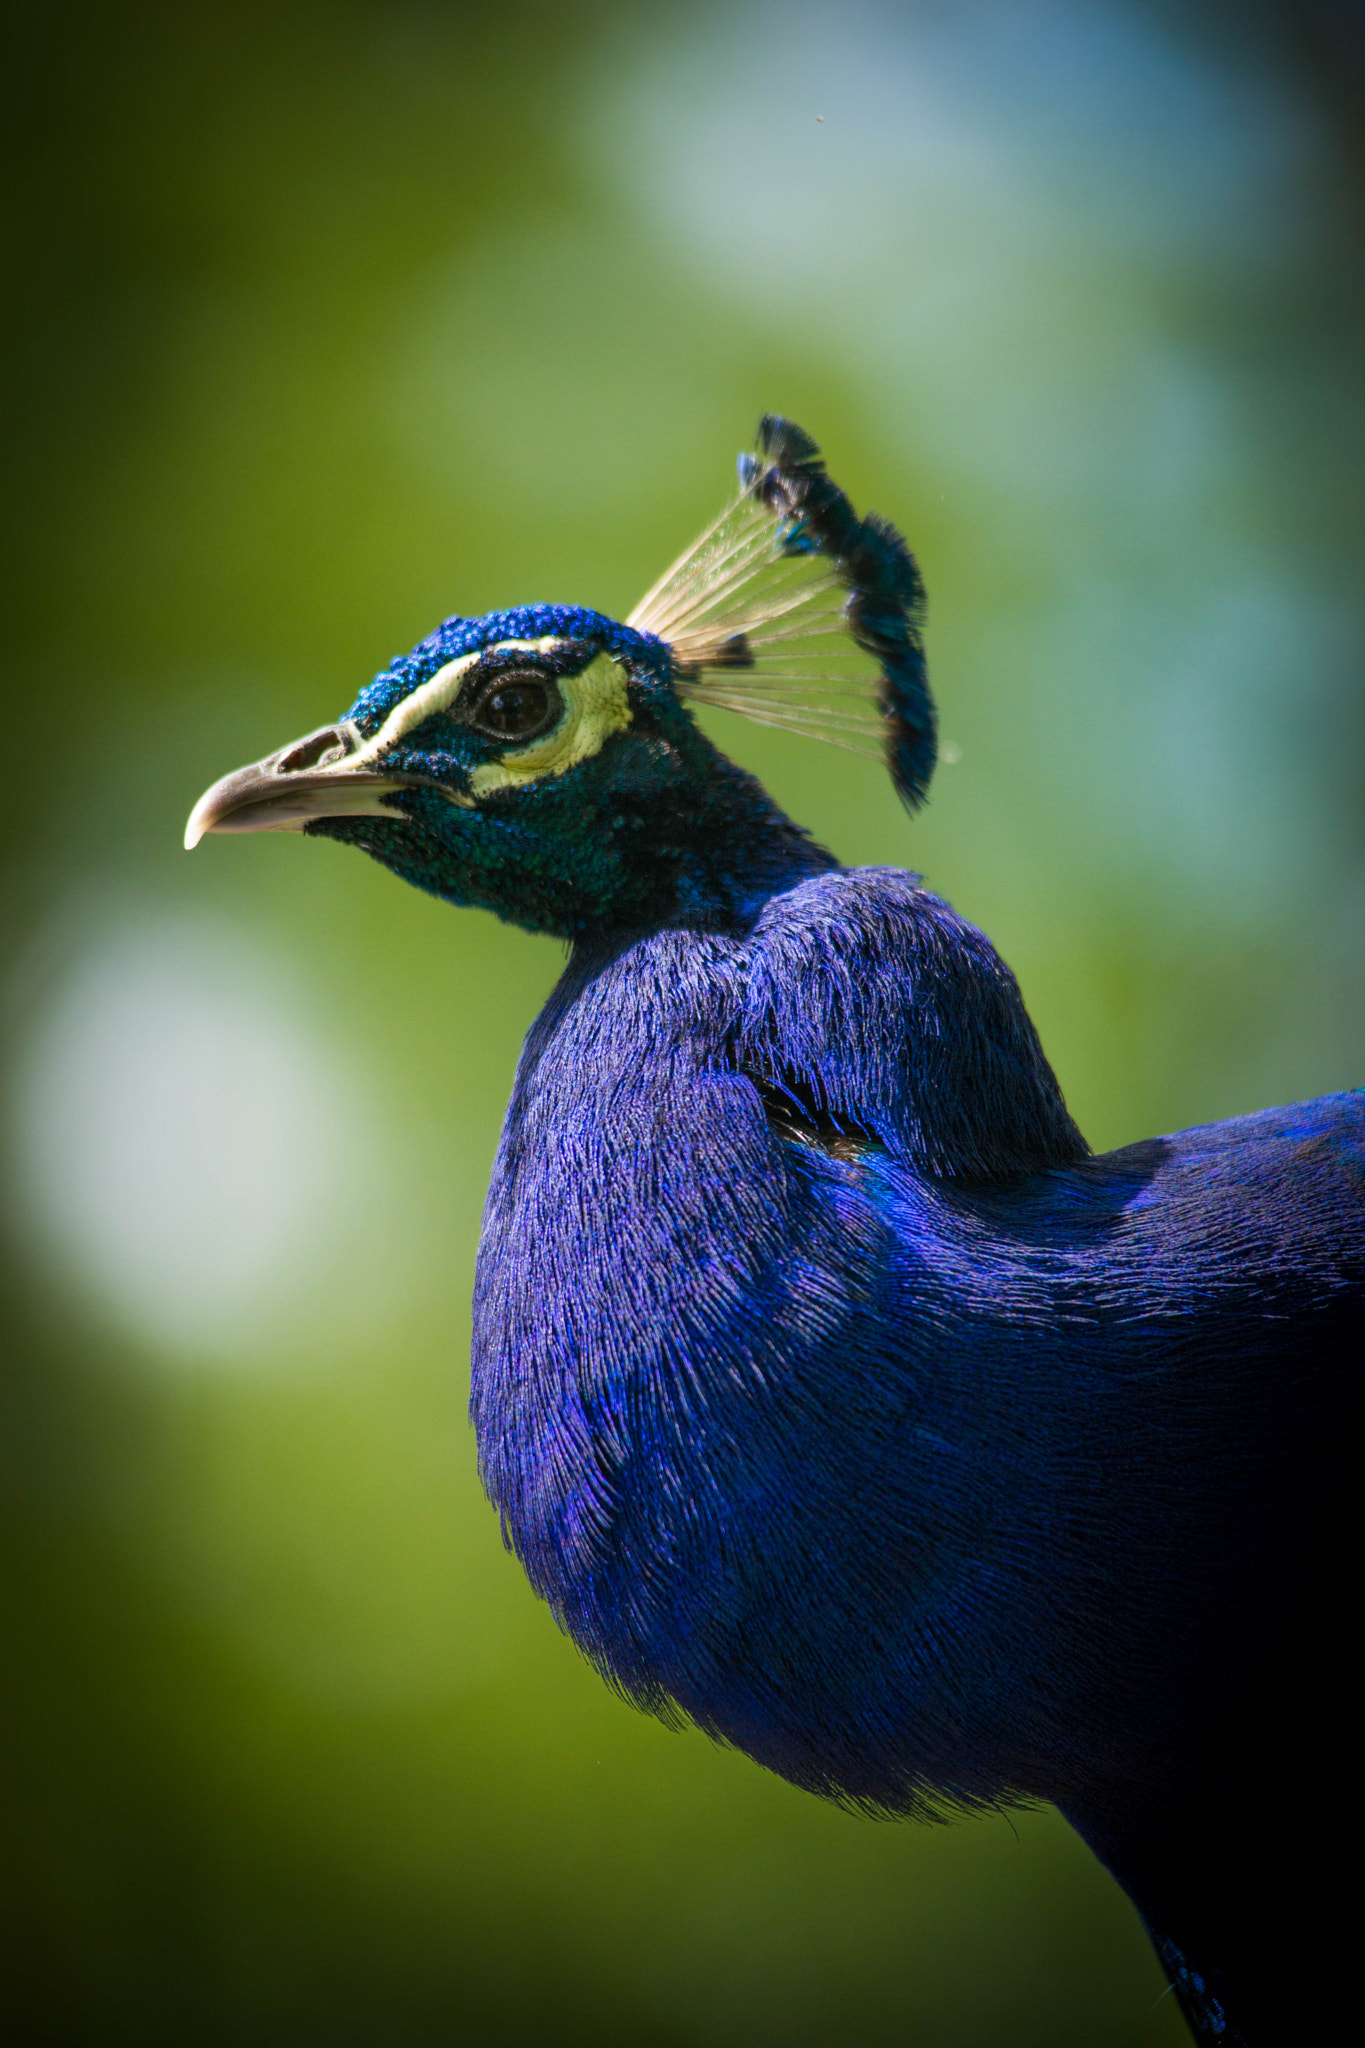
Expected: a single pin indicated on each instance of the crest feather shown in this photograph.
(792, 611)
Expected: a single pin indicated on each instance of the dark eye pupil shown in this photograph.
(513, 710)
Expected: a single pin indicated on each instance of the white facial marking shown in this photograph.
(596, 705)
(438, 693)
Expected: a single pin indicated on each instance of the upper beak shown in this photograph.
(307, 779)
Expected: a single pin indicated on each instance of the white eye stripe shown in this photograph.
(596, 704)
(438, 693)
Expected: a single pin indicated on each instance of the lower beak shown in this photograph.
(307, 779)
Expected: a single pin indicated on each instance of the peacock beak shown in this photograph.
(307, 779)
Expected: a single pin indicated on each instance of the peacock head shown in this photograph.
(544, 762)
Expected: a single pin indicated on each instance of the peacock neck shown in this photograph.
(708, 849)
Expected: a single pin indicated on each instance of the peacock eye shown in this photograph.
(516, 707)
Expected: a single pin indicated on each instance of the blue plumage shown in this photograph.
(829, 1390)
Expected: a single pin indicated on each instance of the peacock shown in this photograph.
(830, 1390)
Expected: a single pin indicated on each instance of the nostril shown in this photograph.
(320, 750)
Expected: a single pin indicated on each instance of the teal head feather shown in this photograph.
(543, 762)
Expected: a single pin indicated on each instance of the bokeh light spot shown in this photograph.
(184, 1144)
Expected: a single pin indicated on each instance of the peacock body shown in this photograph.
(830, 1391)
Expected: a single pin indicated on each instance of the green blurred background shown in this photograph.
(327, 320)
